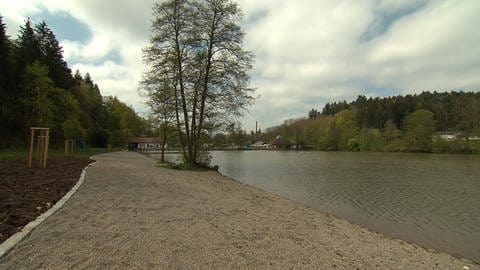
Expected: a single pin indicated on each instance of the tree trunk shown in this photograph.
(182, 89)
(164, 139)
(205, 83)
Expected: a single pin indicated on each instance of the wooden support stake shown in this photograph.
(69, 147)
(39, 149)
(30, 152)
(42, 146)
(45, 153)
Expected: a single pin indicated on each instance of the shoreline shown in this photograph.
(429, 249)
(393, 238)
(131, 214)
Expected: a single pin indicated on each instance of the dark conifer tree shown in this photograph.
(4, 56)
(88, 80)
(6, 98)
(52, 57)
(28, 47)
(77, 77)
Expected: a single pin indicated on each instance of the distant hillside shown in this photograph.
(428, 122)
(455, 111)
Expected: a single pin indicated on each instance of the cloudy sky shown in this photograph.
(308, 52)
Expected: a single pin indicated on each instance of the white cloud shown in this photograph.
(14, 12)
(120, 28)
(312, 51)
(309, 52)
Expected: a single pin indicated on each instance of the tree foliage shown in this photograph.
(38, 89)
(451, 110)
(198, 66)
(399, 123)
(419, 128)
(6, 101)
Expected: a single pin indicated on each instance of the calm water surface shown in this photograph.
(431, 200)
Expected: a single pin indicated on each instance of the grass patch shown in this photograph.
(165, 164)
(186, 167)
(23, 153)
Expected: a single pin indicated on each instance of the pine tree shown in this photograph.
(88, 80)
(36, 87)
(52, 57)
(4, 55)
(28, 47)
(6, 98)
(77, 77)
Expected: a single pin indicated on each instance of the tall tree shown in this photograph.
(36, 88)
(28, 47)
(77, 77)
(52, 56)
(346, 127)
(122, 121)
(88, 80)
(4, 56)
(162, 106)
(224, 76)
(196, 47)
(6, 95)
(420, 126)
(93, 112)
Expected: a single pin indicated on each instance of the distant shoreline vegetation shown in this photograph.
(429, 122)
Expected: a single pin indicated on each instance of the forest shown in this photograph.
(38, 89)
(435, 122)
(410, 123)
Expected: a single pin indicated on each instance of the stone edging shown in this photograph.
(13, 240)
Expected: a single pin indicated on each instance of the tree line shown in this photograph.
(38, 89)
(408, 123)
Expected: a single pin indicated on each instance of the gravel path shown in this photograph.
(130, 214)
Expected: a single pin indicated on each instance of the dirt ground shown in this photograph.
(25, 193)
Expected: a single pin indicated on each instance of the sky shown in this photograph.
(307, 52)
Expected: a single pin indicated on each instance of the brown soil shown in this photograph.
(25, 193)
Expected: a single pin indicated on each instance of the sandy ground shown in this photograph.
(130, 214)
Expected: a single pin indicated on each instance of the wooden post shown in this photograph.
(69, 147)
(45, 153)
(39, 149)
(30, 152)
(66, 151)
(42, 146)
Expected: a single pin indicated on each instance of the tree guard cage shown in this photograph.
(41, 143)
(69, 145)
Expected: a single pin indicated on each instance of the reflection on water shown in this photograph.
(432, 200)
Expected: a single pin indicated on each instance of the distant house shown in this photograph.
(276, 143)
(474, 138)
(447, 135)
(279, 143)
(260, 145)
(145, 144)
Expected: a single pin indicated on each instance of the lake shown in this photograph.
(431, 200)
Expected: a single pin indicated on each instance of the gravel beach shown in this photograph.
(132, 214)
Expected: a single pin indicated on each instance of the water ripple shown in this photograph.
(432, 200)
